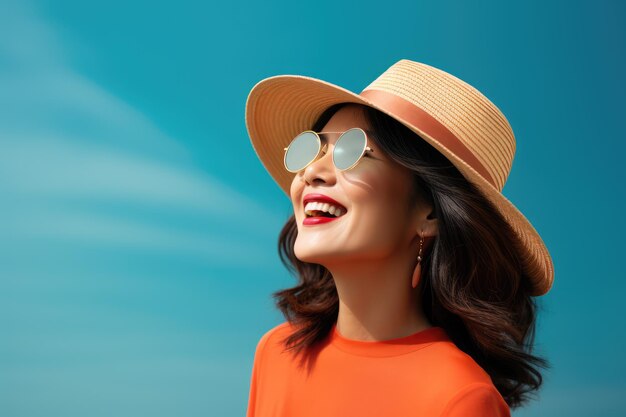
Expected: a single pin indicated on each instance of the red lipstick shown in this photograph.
(322, 199)
(310, 221)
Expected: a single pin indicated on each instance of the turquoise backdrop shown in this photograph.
(138, 230)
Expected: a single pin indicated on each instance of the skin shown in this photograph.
(371, 251)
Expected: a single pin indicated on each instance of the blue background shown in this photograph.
(138, 230)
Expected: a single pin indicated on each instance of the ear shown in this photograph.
(426, 222)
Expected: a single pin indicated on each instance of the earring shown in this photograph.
(418, 268)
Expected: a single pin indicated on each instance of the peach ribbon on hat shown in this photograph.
(428, 124)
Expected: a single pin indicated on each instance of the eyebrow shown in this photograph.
(370, 133)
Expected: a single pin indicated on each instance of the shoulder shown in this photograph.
(464, 386)
(272, 335)
(455, 367)
(477, 399)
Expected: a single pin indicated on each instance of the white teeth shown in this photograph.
(328, 208)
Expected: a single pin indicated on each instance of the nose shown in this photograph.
(322, 169)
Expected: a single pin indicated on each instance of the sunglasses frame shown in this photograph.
(321, 149)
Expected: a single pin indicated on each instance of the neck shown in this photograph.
(376, 299)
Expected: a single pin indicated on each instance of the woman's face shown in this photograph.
(375, 193)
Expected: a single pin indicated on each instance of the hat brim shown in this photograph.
(278, 108)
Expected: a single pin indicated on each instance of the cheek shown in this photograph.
(389, 184)
(294, 193)
(383, 197)
(295, 187)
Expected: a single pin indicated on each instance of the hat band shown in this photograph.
(419, 118)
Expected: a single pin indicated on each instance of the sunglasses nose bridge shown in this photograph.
(321, 156)
(321, 169)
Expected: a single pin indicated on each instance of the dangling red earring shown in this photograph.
(418, 268)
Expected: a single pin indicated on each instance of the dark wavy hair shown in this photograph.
(472, 283)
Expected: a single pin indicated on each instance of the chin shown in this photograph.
(310, 255)
(303, 254)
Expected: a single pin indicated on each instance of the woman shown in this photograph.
(416, 275)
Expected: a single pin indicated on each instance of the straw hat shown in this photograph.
(451, 115)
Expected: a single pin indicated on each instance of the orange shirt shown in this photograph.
(423, 374)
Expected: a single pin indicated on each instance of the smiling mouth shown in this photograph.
(321, 214)
(323, 210)
(318, 217)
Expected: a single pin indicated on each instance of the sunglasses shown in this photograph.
(306, 147)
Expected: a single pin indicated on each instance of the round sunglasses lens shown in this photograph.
(301, 151)
(349, 148)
